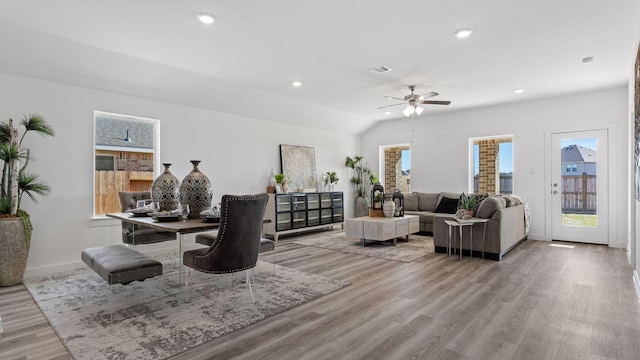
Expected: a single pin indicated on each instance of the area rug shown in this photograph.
(154, 319)
(417, 246)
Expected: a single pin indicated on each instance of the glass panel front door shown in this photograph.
(578, 187)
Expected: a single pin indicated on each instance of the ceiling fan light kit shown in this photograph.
(412, 100)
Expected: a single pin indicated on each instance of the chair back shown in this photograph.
(129, 199)
(237, 245)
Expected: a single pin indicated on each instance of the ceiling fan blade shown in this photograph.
(428, 95)
(386, 106)
(435, 102)
(394, 98)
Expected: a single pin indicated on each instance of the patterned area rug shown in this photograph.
(417, 246)
(153, 319)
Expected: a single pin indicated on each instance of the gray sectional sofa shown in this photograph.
(506, 226)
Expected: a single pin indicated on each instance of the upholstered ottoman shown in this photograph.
(118, 264)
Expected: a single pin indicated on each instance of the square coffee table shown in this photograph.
(382, 228)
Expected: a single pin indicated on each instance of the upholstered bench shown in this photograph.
(118, 264)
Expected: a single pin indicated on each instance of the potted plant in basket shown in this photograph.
(15, 223)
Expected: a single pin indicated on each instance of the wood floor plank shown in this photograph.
(540, 302)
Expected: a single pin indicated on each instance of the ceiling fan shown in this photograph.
(413, 100)
(127, 138)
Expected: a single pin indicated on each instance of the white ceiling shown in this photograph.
(244, 63)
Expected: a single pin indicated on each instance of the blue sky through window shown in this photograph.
(406, 160)
(506, 158)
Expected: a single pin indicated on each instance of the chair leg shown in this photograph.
(188, 285)
(249, 284)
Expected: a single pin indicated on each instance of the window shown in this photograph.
(492, 159)
(396, 168)
(125, 157)
(574, 167)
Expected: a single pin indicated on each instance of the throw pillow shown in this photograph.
(410, 201)
(447, 205)
(427, 201)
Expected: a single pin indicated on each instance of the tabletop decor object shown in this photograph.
(389, 206)
(196, 191)
(164, 190)
(398, 199)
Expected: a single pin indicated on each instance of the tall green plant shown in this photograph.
(15, 182)
(362, 178)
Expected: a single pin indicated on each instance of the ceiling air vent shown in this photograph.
(379, 69)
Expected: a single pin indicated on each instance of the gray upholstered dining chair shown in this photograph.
(237, 244)
(138, 234)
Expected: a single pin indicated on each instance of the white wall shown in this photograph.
(440, 154)
(237, 155)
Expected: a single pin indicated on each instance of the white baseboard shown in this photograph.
(636, 282)
(532, 236)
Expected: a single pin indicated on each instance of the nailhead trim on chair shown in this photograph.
(222, 231)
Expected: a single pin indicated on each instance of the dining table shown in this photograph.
(179, 227)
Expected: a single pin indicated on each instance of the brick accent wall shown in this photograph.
(392, 168)
(489, 177)
(393, 178)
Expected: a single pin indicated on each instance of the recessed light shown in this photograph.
(205, 18)
(296, 83)
(587, 60)
(463, 33)
(518, 91)
(387, 112)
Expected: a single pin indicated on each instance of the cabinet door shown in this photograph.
(325, 200)
(299, 202)
(283, 203)
(299, 219)
(313, 217)
(283, 221)
(338, 215)
(337, 199)
(326, 216)
(313, 201)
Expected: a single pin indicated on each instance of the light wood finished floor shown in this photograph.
(541, 302)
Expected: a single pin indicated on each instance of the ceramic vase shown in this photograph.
(362, 206)
(164, 190)
(389, 208)
(196, 191)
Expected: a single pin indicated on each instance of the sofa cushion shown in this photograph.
(489, 206)
(447, 205)
(450, 195)
(410, 201)
(427, 201)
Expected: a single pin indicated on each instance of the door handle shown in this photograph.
(554, 192)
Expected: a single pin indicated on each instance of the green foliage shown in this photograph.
(28, 227)
(468, 201)
(330, 177)
(279, 178)
(360, 173)
(5, 204)
(378, 197)
(15, 158)
(28, 183)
